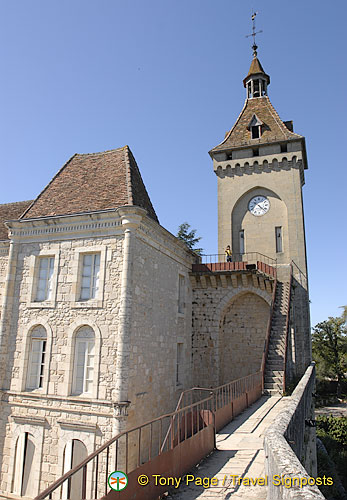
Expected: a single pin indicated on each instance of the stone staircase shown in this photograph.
(274, 367)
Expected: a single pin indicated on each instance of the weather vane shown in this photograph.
(254, 46)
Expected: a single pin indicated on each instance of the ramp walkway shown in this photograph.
(239, 452)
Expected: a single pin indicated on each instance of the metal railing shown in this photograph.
(268, 331)
(131, 449)
(222, 395)
(198, 408)
(299, 275)
(248, 257)
(287, 328)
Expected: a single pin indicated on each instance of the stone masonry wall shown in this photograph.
(290, 445)
(3, 272)
(157, 328)
(52, 415)
(242, 335)
(210, 306)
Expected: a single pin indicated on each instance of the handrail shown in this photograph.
(237, 257)
(301, 274)
(106, 446)
(268, 331)
(215, 392)
(287, 328)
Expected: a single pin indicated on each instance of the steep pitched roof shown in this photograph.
(255, 67)
(10, 211)
(92, 182)
(273, 128)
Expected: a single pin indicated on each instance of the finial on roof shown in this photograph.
(253, 34)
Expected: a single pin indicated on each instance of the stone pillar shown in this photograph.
(131, 217)
(5, 321)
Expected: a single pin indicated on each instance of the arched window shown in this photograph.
(74, 453)
(37, 355)
(23, 483)
(84, 361)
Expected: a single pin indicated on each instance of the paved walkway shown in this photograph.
(239, 451)
(338, 410)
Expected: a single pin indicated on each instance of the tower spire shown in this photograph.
(257, 80)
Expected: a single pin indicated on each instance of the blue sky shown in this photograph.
(165, 77)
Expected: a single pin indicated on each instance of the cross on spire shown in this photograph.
(254, 46)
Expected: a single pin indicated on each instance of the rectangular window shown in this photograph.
(181, 294)
(84, 366)
(36, 363)
(279, 246)
(179, 364)
(90, 276)
(255, 132)
(242, 241)
(44, 279)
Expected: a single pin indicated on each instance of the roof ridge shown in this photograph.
(45, 188)
(128, 175)
(232, 128)
(108, 151)
(275, 116)
(15, 202)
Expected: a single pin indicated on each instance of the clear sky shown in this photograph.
(165, 77)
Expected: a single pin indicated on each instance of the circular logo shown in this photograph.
(117, 480)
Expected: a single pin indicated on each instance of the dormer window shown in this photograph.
(255, 127)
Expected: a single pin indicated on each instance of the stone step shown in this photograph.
(269, 379)
(273, 385)
(278, 373)
(275, 358)
(274, 365)
(273, 390)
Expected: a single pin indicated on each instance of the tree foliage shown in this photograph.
(329, 349)
(188, 235)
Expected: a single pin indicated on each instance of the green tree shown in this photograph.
(186, 234)
(329, 349)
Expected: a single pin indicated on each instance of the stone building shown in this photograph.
(106, 316)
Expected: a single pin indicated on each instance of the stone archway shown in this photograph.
(242, 332)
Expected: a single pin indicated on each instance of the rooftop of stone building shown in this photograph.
(273, 128)
(93, 182)
(10, 211)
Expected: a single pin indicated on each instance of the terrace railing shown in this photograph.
(249, 261)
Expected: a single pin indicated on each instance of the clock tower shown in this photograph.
(260, 168)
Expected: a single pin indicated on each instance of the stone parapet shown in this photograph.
(290, 445)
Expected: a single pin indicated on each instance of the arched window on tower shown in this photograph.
(83, 376)
(37, 358)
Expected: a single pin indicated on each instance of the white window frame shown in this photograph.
(93, 285)
(97, 301)
(33, 280)
(40, 370)
(20, 384)
(89, 351)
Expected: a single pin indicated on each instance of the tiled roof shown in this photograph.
(273, 128)
(92, 182)
(11, 211)
(255, 67)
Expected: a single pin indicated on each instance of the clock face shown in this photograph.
(259, 205)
